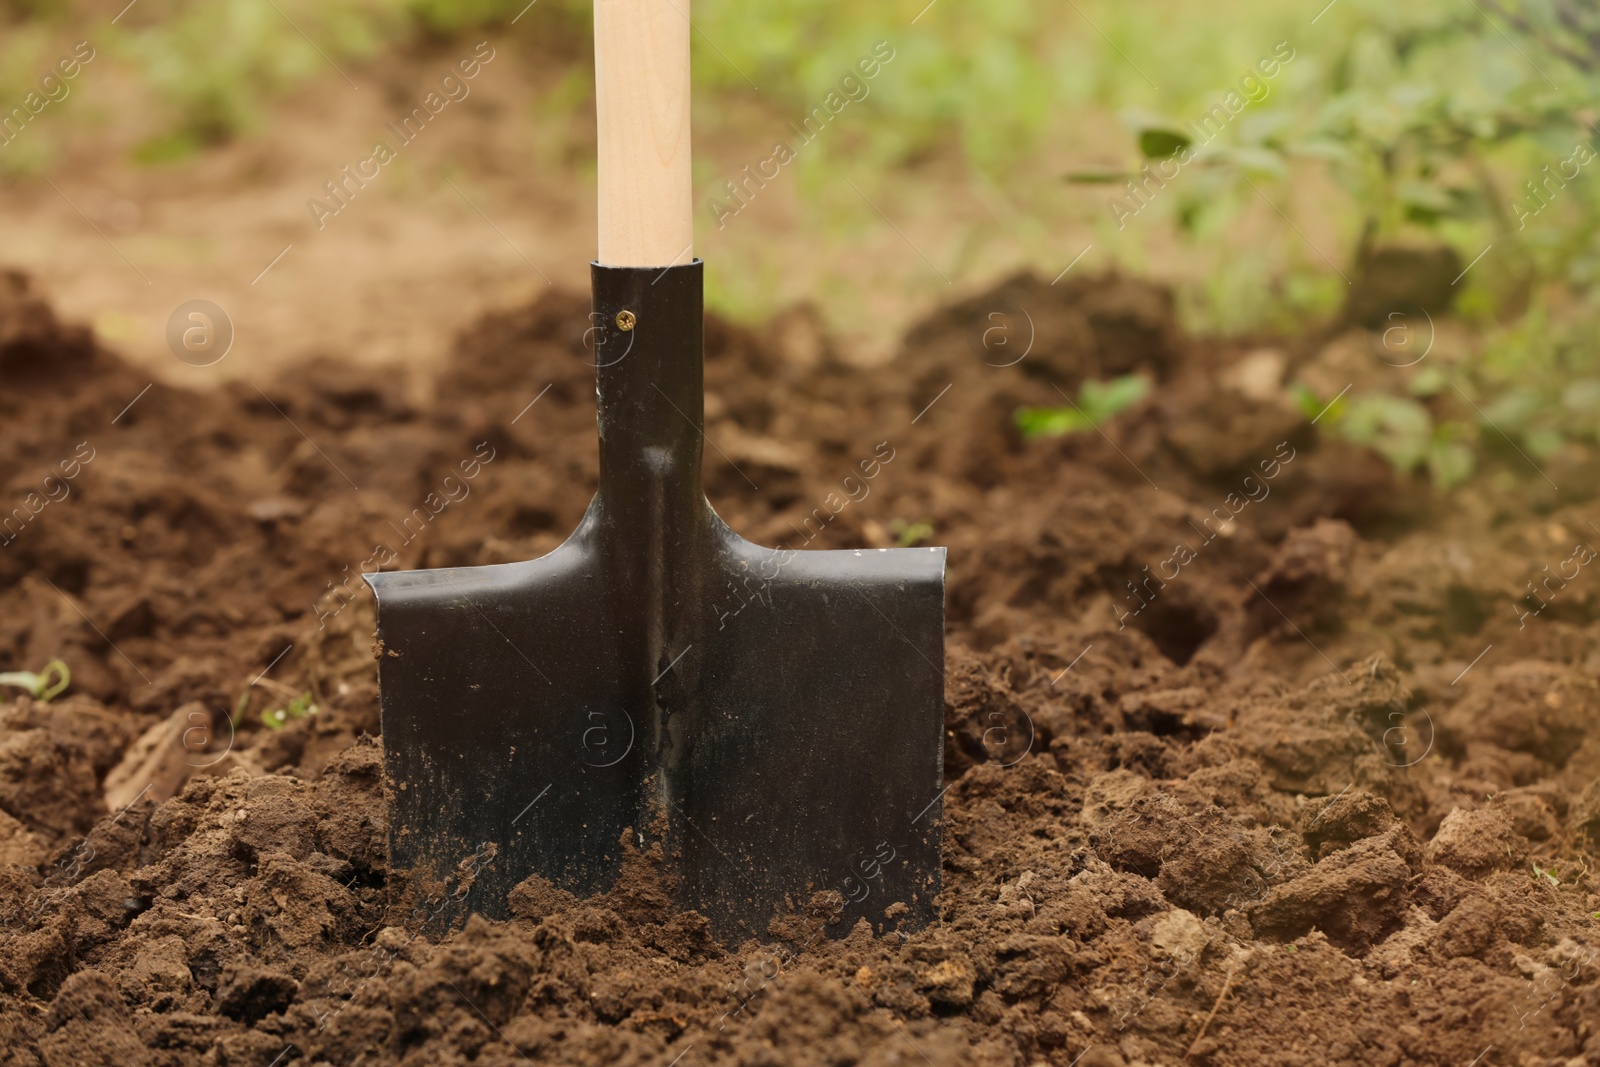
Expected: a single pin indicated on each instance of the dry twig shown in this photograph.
(1227, 984)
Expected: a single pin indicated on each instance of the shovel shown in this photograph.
(770, 719)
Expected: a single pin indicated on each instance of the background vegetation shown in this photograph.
(1419, 125)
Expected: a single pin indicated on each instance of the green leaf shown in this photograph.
(1430, 381)
(1159, 137)
(1398, 429)
(1102, 400)
(1331, 151)
(1512, 411)
(1262, 127)
(298, 708)
(1425, 195)
(1311, 405)
(1261, 161)
(910, 534)
(170, 148)
(1097, 402)
(1543, 440)
(1450, 463)
(1162, 143)
(1049, 422)
(1096, 177)
(1582, 396)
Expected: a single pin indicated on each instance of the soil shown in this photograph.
(1256, 752)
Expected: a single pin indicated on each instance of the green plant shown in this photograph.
(300, 707)
(297, 705)
(45, 685)
(216, 65)
(1569, 29)
(910, 534)
(1403, 430)
(1441, 124)
(1097, 402)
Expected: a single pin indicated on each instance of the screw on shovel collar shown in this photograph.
(540, 718)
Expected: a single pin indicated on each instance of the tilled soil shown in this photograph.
(1256, 753)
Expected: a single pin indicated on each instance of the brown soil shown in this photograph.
(1265, 819)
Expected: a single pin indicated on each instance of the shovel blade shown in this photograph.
(783, 740)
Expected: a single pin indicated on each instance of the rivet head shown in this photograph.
(625, 320)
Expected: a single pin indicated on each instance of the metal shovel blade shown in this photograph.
(773, 718)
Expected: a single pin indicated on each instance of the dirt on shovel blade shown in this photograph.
(1252, 755)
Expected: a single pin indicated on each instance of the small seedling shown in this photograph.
(298, 708)
(45, 686)
(1097, 402)
(298, 705)
(1311, 406)
(1539, 872)
(910, 534)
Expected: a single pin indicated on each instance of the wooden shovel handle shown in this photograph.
(641, 62)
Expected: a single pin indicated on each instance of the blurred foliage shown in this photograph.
(910, 534)
(1435, 122)
(1403, 431)
(1430, 123)
(1472, 128)
(216, 65)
